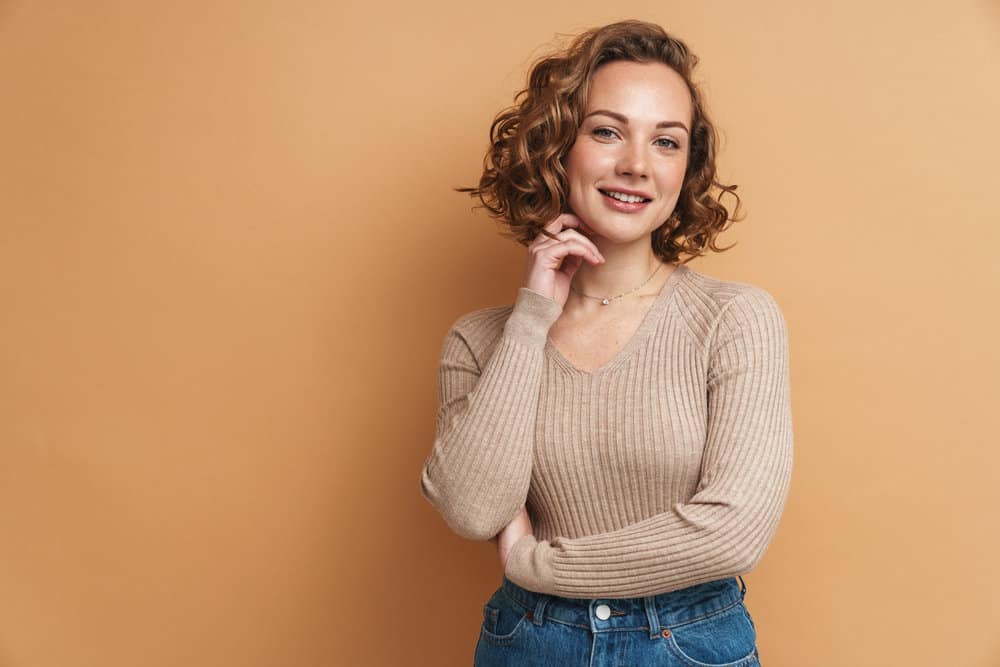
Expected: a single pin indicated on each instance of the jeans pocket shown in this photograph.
(725, 638)
(503, 620)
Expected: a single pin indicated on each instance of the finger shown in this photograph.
(585, 230)
(562, 221)
(554, 226)
(558, 250)
(576, 234)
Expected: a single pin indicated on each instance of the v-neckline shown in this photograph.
(648, 323)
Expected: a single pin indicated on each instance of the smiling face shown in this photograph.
(626, 167)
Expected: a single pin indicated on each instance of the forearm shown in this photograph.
(692, 543)
(479, 469)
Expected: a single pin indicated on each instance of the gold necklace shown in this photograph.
(605, 300)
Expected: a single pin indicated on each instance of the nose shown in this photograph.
(632, 161)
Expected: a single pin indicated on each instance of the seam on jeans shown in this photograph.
(513, 599)
(525, 608)
(704, 616)
(749, 661)
(548, 617)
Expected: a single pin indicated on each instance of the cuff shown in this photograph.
(529, 565)
(532, 317)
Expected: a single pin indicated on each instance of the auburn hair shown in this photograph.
(524, 183)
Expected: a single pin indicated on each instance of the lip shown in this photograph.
(622, 206)
(626, 191)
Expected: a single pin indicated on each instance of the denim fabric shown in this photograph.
(706, 625)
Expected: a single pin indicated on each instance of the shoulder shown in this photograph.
(482, 322)
(711, 306)
(476, 332)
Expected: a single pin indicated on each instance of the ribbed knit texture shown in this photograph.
(666, 467)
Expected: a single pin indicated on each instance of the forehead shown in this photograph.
(646, 91)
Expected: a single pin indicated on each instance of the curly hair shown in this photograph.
(524, 181)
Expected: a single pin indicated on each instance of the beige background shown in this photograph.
(229, 253)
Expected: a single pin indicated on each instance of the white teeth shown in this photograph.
(621, 196)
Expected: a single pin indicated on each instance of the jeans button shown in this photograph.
(603, 612)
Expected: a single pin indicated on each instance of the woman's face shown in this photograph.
(626, 168)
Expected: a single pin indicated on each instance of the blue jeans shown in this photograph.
(699, 626)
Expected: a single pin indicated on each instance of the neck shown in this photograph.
(620, 273)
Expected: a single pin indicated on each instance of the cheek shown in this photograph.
(575, 198)
(673, 175)
(577, 175)
(573, 165)
(587, 161)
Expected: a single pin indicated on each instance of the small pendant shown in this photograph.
(605, 301)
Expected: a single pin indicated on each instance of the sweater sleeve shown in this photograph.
(479, 469)
(724, 529)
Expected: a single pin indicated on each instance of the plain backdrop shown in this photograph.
(230, 250)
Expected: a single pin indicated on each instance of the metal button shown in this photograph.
(603, 612)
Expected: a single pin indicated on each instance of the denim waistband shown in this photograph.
(654, 612)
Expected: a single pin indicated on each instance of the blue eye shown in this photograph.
(604, 132)
(667, 143)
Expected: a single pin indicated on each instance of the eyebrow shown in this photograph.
(623, 120)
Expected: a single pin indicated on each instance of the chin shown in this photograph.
(621, 231)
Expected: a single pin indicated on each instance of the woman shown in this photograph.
(623, 429)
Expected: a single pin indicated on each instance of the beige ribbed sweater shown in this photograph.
(666, 467)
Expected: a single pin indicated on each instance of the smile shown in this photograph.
(621, 196)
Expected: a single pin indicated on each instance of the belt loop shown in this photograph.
(743, 587)
(652, 617)
(539, 614)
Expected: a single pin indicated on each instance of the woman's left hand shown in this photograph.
(519, 526)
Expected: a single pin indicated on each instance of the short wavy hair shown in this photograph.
(524, 183)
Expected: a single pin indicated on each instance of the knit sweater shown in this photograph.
(666, 467)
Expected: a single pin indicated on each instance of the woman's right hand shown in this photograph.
(552, 262)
